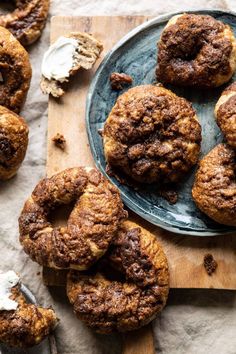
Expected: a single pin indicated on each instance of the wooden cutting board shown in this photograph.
(67, 116)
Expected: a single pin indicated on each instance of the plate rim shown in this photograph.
(135, 207)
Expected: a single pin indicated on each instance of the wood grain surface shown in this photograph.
(67, 116)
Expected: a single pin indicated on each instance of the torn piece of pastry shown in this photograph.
(65, 57)
(22, 324)
(119, 80)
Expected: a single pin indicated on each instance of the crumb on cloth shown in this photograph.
(210, 264)
(119, 80)
(59, 141)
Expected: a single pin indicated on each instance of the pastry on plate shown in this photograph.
(214, 189)
(22, 324)
(152, 135)
(196, 50)
(225, 112)
(65, 57)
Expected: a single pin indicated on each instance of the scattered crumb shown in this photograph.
(100, 132)
(59, 141)
(209, 264)
(119, 80)
(169, 194)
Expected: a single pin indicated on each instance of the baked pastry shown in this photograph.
(15, 71)
(134, 295)
(65, 57)
(152, 135)
(214, 189)
(91, 226)
(13, 142)
(27, 21)
(22, 324)
(196, 50)
(225, 112)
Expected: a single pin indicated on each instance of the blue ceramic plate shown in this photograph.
(136, 54)
(42, 348)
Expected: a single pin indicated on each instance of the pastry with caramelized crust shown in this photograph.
(152, 135)
(13, 142)
(26, 326)
(91, 226)
(196, 50)
(15, 71)
(27, 21)
(214, 189)
(137, 294)
(225, 113)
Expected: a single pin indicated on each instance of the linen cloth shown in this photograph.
(195, 321)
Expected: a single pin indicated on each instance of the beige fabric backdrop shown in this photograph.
(194, 322)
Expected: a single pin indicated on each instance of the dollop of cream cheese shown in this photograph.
(58, 59)
(7, 281)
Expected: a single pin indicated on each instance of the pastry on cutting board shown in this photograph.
(65, 57)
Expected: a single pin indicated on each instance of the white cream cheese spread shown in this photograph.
(58, 59)
(7, 281)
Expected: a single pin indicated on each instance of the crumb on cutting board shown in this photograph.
(119, 80)
(59, 141)
(210, 264)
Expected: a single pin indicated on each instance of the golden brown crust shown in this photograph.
(225, 112)
(196, 50)
(13, 142)
(28, 325)
(91, 226)
(108, 305)
(152, 135)
(27, 21)
(214, 189)
(15, 69)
